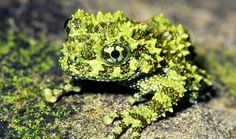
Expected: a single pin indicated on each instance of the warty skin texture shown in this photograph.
(153, 57)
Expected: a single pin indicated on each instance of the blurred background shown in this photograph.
(211, 21)
(24, 70)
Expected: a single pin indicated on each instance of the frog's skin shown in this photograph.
(153, 57)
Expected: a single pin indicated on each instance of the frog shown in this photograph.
(153, 57)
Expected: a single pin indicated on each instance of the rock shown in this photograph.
(199, 121)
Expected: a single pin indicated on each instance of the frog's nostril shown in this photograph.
(115, 54)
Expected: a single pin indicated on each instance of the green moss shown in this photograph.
(221, 63)
(25, 64)
(37, 121)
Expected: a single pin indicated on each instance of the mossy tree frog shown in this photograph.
(153, 57)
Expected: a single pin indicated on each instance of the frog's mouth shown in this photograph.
(110, 79)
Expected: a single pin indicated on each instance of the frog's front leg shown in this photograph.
(168, 89)
(52, 95)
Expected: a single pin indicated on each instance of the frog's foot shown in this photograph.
(52, 95)
(137, 117)
(167, 90)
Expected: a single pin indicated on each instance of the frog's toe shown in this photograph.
(132, 100)
(108, 119)
(52, 95)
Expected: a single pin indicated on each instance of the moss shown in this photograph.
(37, 120)
(25, 67)
(221, 64)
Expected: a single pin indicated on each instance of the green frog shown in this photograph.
(153, 57)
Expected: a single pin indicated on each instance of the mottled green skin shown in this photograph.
(152, 57)
(87, 54)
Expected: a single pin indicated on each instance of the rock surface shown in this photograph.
(199, 121)
(211, 24)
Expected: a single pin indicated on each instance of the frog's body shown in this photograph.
(152, 57)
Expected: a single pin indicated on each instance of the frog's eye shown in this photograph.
(115, 54)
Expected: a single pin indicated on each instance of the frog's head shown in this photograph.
(107, 47)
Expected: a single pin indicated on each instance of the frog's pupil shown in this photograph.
(115, 54)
